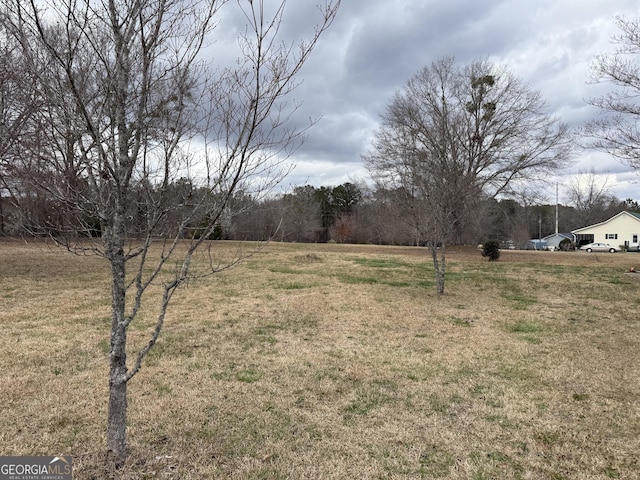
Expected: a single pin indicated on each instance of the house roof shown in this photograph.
(634, 215)
(568, 236)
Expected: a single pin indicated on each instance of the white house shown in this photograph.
(621, 229)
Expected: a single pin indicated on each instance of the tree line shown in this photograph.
(347, 213)
(350, 213)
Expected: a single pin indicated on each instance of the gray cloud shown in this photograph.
(374, 47)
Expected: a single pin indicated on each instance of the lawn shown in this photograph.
(335, 362)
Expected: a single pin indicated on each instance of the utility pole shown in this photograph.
(557, 206)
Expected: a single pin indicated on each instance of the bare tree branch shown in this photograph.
(616, 130)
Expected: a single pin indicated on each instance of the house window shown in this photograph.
(611, 236)
(635, 239)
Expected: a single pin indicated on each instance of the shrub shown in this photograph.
(566, 245)
(491, 250)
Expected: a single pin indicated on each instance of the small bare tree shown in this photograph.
(130, 104)
(454, 137)
(616, 131)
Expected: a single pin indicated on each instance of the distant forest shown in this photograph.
(347, 213)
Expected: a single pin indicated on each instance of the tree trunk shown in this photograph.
(117, 419)
(439, 265)
(1, 217)
(117, 413)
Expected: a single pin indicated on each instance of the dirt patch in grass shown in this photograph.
(336, 361)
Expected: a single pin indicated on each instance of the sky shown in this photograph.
(375, 46)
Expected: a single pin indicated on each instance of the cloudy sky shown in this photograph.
(375, 46)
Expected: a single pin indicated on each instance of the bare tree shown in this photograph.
(454, 137)
(590, 194)
(18, 104)
(301, 215)
(131, 104)
(616, 130)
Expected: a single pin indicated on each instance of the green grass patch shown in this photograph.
(383, 263)
(517, 296)
(523, 327)
(357, 279)
(373, 394)
(249, 375)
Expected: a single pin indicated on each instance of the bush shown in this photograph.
(566, 245)
(491, 250)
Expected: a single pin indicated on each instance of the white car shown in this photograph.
(599, 247)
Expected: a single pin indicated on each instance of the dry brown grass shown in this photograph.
(336, 362)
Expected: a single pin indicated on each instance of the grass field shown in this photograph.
(336, 362)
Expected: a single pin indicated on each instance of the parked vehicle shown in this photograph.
(599, 247)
